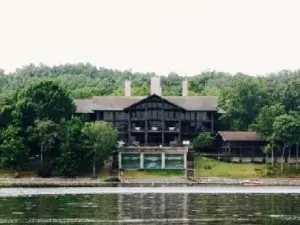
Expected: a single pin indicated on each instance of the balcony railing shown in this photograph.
(155, 129)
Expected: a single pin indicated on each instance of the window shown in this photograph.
(174, 161)
(120, 115)
(107, 115)
(200, 115)
(130, 161)
(138, 114)
(188, 116)
(152, 161)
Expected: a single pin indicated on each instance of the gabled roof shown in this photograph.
(160, 97)
(204, 103)
(83, 105)
(117, 103)
(240, 136)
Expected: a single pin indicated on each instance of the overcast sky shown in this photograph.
(183, 36)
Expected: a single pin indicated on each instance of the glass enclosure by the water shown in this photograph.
(131, 161)
(152, 208)
(174, 161)
(152, 161)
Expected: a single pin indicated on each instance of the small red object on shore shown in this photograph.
(251, 182)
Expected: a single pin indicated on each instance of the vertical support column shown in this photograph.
(185, 164)
(179, 126)
(193, 114)
(163, 124)
(241, 155)
(120, 160)
(114, 118)
(146, 124)
(97, 115)
(129, 127)
(142, 160)
(185, 161)
(252, 153)
(212, 122)
(229, 152)
(163, 160)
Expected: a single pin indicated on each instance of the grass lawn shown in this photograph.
(5, 173)
(153, 173)
(206, 167)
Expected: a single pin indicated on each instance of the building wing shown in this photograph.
(240, 136)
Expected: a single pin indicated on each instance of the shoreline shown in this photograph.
(89, 182)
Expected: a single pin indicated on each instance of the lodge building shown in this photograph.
(248, 146)
(155, 131)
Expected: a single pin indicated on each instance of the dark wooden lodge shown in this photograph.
(248, 146)
(154, 120)
(155, 130)
(240, 146)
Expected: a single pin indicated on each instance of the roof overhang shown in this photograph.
(151, 96)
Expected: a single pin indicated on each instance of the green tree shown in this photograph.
(203, 141)
(14, 153)
(101, 138)
(242, 101)
(45, 133)
(47, 100)
(292, 95)
(263, 124)
(141, 91)
(270, 148)
(72, 148)
(5, 115)
(286, 129)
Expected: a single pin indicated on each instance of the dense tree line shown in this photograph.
(36, 114)
(39, 127)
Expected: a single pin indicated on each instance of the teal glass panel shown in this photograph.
(131, 161)
(152, 161)
(174, 161)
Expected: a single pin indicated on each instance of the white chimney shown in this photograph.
(127, 88)
(185, 88)
(155, 86)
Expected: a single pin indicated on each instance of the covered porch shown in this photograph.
(240, 146)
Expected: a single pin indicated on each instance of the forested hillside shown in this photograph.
(84, 80)
(241, 96)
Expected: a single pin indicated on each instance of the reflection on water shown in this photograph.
(152, 208)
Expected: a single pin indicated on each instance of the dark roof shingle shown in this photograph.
(197, 103)
(240, 136)
(206, 103)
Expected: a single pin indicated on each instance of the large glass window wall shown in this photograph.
(152, 161)
(174, 161)
(130, 161)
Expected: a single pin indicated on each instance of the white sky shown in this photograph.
(184, 36)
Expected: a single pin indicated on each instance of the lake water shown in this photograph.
(151, 205)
